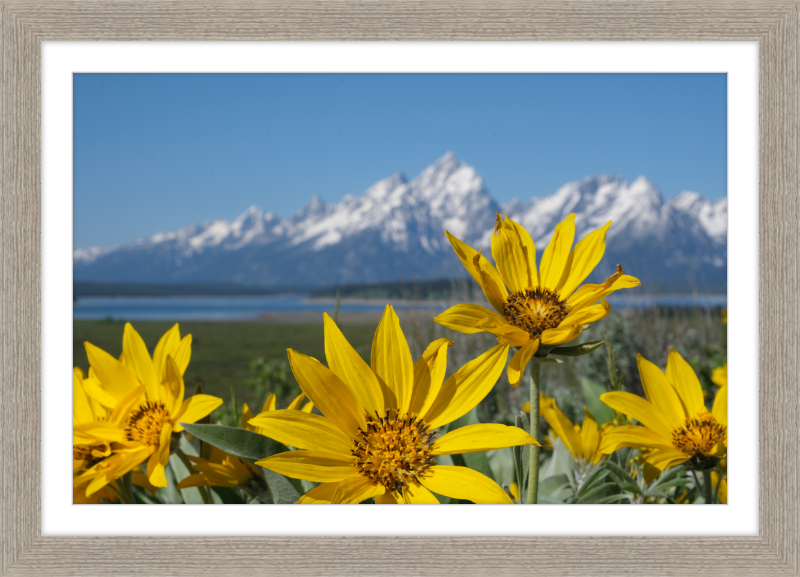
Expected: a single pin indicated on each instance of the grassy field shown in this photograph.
(248, 358)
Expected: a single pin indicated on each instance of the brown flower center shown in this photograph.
(85, 453)
(144, 426)
(394, 449)
(535, 310)
(699, 435)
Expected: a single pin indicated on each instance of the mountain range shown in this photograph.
(394, 231)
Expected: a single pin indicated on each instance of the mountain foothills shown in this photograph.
(394, 231)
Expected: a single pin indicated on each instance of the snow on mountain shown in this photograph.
(394, 231)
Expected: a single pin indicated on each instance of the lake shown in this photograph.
(246, 307)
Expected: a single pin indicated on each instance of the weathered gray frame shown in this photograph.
(24, 24)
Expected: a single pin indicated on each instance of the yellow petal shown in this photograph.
(195, 408)
(493, 288)
(635, 407)
(590, 437)
(247, 415)
(174, 388)
(720, 409)
(334, 399)
(166, 345)
(308, 407)
(561, 425)
(632, 436)
(429, 373)
(304, 431)
(155, 471)
(117, 379)
(661, 393)
(561, 334)
(90, 433)
(686, 383)
(416, 494)
(585, 256)
(269, 404)
(310, 465)
(356, 489)
(386, 499)
(589, 294)
(95, 390)
(661, 459)
(183, 353)
(137, 357)
(520, 360)
(587, 315)
(126, 404)
(720, 375)
(556, 255)
(319, 495)
(464, 318)
(467, 387)
(467, 256)
(296, 402)
(509, 254)
(722, 492)
(481, 437)
(500, 327)
(348, 365)
(197, 480)
(81, 408)
(391, 361)
(464, 483)
(529, 249)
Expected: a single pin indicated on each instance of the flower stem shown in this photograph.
(533, 465)
(707, 485)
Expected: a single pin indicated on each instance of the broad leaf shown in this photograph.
(576, 350)
(599, 410)
(239, 442)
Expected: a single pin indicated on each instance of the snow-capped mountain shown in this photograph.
(394, 231)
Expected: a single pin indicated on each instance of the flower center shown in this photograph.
(144, 426)
(394, 449)
(85, 453)
(535, 310)
(699, 435)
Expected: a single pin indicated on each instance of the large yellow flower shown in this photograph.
(541, 307)
(677, 427)
(584, 440)
(146, 396)
(379, 435)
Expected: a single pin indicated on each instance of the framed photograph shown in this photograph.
(281, 293)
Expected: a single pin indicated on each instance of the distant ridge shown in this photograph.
(394, 232)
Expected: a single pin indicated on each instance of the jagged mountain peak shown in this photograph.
(394, 230)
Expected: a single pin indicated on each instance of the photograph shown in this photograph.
(400, 288)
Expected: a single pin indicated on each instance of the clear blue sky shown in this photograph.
(157, 152)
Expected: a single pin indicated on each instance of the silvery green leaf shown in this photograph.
(239, 442)
(576, 350)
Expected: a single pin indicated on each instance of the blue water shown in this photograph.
(243, 308)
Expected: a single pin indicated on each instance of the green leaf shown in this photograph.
(239, 442)
(594, 477)
(590, 496)
(191, 495)
(545, 500)
(283, 493)
(621, 473)
(612, 498)
(591, 394)
(576, 350)
(545, 360)
(553, 486)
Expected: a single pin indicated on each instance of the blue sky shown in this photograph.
(157, 152)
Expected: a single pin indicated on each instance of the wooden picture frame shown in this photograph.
(27, 23)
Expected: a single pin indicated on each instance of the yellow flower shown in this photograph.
(724, 313)
(720, 376)
(269, 405)
(722, 493)
(146, 398)
(583, 441)
(540, 308)
(221, 469)
(677, 426)
(379, 435)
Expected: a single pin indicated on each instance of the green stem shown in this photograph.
(533, 465)
(707, 485)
